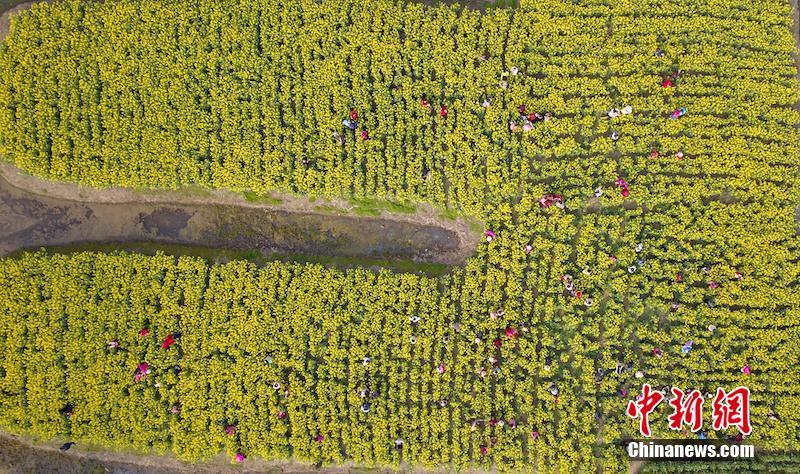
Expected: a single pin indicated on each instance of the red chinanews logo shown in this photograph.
(728, 409)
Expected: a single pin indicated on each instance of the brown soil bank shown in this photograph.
(18, 455)
(36, 213)
(9, 8)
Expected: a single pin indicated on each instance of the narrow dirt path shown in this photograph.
(19, 455)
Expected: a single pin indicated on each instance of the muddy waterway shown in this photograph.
(30, 220)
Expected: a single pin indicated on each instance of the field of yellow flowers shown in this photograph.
(635, 162)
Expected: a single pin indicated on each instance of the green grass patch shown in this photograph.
(400, 266)
(501, 4)
(196, 191)
(221, 255)
(366, 211)
(252, 196)
(452, 214)
(448, 214)
(210, 254)
(373, 207)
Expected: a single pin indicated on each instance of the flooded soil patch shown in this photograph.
(28, 220)
(165, 222)
(37, 213)
(319, 234)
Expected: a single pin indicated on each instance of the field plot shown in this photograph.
(635, 162)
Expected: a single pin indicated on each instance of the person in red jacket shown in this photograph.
(354, 115)
(170, 340)
(443, 111)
